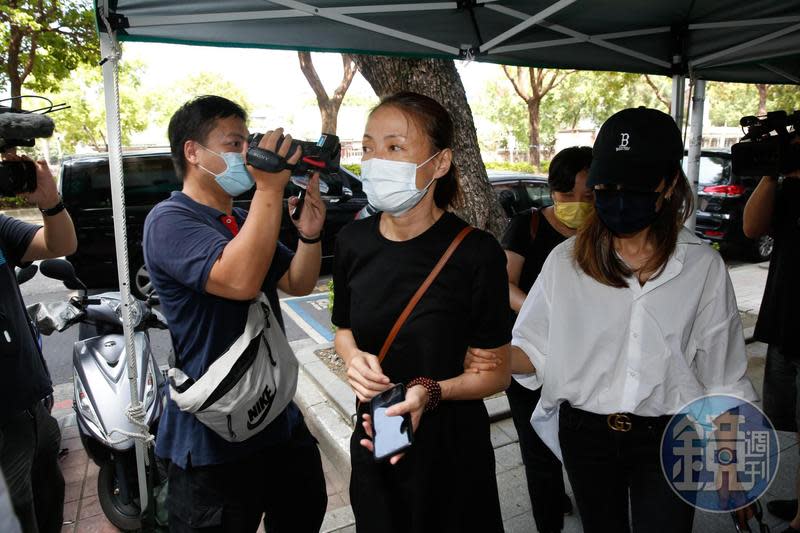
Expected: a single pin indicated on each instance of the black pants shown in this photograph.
(29, 445)
(608, 468)
(284, 481)
(543, 470)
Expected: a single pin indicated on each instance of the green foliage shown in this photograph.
(355, 168)
(505, 165)
(167, 99)
(783, 97)
(500, 105)
(13, 202)
(85, 120)
(731, 101)
(41, 43)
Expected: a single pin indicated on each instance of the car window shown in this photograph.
(713, 170)
(148, 180)
(539, 193)
(507, 197)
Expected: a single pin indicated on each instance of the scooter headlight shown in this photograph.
(150, 386)
(84, 405)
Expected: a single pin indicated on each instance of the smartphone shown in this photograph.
(391, 434)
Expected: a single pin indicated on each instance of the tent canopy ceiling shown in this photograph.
(722, 40)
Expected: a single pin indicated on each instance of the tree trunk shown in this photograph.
(328, 105)
(439, 80)
(762, 98)
(534, 154)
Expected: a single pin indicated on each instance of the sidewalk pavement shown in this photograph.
(328, 405)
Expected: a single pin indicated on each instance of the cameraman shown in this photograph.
(207, 260)
(29, 436)
(774, 208)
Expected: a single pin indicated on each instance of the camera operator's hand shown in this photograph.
(312, 215)
(46, 194)
(278, 180)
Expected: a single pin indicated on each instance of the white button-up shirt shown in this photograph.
(647, 350)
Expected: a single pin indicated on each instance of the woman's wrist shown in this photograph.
(433, 389)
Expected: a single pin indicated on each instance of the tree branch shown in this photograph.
(656, 90)
(350, 70)
(516, 82)
(307, 66)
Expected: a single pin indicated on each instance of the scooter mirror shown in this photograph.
(25, 274)
(60, 269)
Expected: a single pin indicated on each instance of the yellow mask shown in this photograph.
(573, 214)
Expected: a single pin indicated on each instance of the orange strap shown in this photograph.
(421, 291)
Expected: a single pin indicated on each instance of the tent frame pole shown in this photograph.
(695, 143)
(678, 103)
(107, 49)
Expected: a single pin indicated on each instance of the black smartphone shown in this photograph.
(391, 434)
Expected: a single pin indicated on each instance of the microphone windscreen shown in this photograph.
(25, 125)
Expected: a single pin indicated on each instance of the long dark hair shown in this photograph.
(432, 118)
(594, 245)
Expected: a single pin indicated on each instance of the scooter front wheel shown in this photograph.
(124, 515)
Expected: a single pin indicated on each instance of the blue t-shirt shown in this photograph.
(182, 241)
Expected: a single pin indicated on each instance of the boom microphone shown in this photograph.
(20, 128)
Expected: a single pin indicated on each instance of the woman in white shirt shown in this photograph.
(628, 322)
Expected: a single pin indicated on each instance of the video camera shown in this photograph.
(317, 156)
(767, 148)
(21, 128)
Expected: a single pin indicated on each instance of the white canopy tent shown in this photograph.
(722, 40)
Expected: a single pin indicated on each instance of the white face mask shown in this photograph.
(391, 186)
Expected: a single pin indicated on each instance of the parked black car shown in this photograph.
(150, 178)
(518, 191)
(722, 196)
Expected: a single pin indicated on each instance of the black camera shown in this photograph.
(21, 128)
(767, 148)
(321, 156)
(17, 177)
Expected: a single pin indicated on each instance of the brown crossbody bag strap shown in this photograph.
(421, 291)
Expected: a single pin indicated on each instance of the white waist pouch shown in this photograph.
(248, 386)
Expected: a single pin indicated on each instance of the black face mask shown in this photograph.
(625, 212)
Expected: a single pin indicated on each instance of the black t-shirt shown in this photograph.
(467, 304)
(23, 378)
(779, 317)
(517, 239)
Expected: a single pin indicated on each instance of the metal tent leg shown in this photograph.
(695, 141)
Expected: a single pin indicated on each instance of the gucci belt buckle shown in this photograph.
(620, 422)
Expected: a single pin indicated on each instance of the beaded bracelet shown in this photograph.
(433, 388)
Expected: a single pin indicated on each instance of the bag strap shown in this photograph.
(534, 223)
(421, 291)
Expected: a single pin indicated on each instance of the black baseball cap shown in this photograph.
(636, 148)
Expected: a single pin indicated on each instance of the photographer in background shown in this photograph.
(207, 261)
(29, 436)
(774, 208)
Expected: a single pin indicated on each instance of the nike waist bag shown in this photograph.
(248, 386)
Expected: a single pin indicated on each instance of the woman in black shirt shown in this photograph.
(528, 240)
(446, 481)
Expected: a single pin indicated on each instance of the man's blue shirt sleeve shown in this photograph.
(182, 245)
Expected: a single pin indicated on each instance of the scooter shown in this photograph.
(102, 387)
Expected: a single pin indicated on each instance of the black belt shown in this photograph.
(621, 422)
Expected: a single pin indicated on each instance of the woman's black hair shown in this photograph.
(432, 118)
(565, 165)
